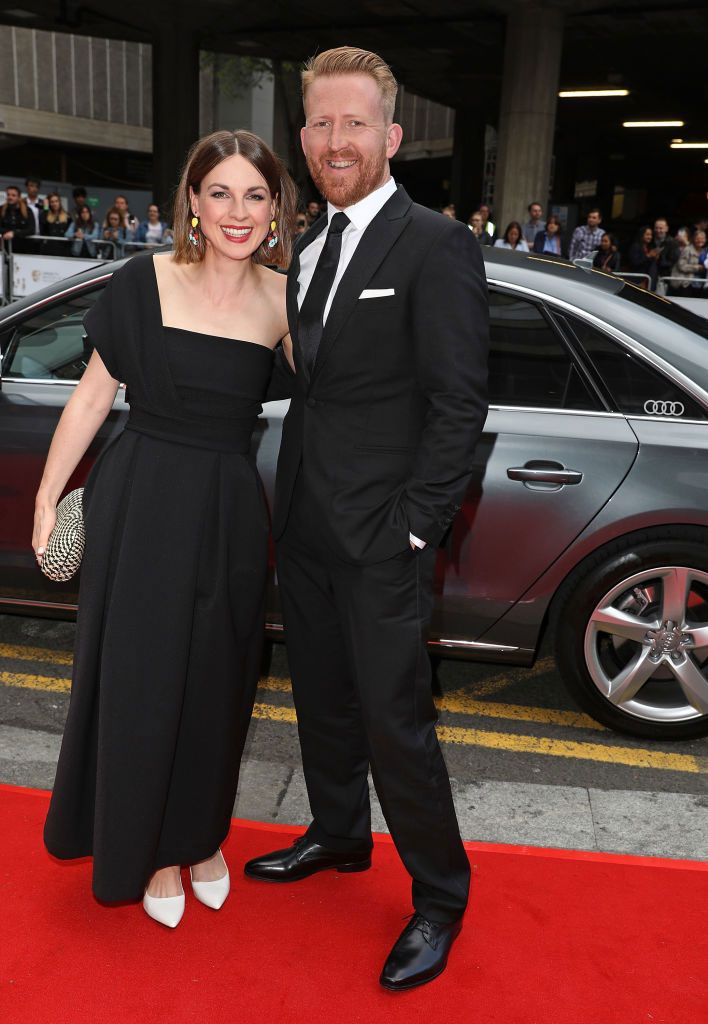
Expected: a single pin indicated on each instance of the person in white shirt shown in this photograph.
(512, 239)
(388, 316)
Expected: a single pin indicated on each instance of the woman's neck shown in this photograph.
(222, 279)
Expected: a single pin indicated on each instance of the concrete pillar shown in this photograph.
(175, 99)
(532, 56)
(467, 161)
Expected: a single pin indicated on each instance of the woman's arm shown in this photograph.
(84, 413)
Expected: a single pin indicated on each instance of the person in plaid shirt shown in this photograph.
(586, 238)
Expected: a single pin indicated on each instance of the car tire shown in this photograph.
(598, 617)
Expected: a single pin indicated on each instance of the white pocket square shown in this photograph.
(376, 293)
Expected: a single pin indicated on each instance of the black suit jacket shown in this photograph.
(386, 424)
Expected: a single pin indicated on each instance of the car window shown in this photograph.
(636, 388)
(529, 363)
(51, 343)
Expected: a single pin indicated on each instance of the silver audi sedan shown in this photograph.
(587, 516)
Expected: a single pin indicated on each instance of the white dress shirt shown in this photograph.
(360, 216)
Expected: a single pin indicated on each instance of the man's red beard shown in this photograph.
(352, 188)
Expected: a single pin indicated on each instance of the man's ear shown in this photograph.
(394, 137)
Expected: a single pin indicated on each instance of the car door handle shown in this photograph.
(548, 473)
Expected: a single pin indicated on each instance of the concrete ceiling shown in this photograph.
(447, 50)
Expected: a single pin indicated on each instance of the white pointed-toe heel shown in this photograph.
(212, 894)
(167, 910)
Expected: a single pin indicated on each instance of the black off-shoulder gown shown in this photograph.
(171, 601)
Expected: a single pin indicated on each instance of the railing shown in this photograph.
(699, 283)
(630, 276)
(5, 261)
(22, 274)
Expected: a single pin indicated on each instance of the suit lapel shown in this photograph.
(375, 244)
(292, 288)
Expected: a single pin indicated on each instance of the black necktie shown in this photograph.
(310, 320)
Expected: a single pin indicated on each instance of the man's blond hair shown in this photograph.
(348, 60)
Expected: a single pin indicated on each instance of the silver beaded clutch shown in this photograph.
(65, 547)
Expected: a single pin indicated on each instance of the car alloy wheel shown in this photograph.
(630, 629)
(646, 645)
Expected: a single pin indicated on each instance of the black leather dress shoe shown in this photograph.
(305, 858)
(420, 954)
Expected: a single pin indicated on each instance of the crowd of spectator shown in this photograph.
(42, 224)
(674, 264)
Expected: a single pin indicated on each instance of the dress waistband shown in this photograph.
(202, 433)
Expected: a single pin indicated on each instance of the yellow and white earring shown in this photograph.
(193, 236)
(272, 238)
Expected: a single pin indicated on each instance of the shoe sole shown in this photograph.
(411, 984)
(343, 869)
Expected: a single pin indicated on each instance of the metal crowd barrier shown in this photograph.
(146, 245)
(628, 276)
(5, 259)
(104, 243)
(24, 273)
(700, 283)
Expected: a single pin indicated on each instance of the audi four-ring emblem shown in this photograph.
(654, 408)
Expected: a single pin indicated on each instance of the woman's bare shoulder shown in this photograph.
(274, 280)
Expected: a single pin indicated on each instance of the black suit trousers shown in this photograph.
(362, 690)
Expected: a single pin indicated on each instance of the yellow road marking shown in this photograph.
(484, 689)
(275, 683)
(36, 654)
(459, 703)
(637, 758)
(53, 684)
(274, 713)
(456, 703)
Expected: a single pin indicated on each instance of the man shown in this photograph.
(35, 204)
(80, 200)
(587, 237)
(534, 224)
(388, 317)
(668, 249)
(15, 220)
(313, 212)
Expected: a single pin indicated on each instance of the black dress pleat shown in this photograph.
(171, 602)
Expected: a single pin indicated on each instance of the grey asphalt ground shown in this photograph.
(577, 788)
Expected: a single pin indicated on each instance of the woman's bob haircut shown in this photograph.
(203, 157)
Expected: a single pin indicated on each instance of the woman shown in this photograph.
(691, 264)
(152, 231)
(54, 222)
(549, 240)
(643, 257)
(172, 583)
(513, 238)
(84, 230)
(607, 257)
(115, 231)
(476, 226)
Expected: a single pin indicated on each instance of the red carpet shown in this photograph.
(552, 937)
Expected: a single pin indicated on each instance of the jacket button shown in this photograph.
(311, 403)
